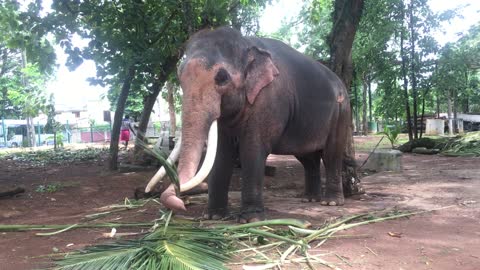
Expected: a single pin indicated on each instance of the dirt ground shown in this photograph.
(445, 239)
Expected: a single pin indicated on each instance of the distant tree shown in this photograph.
(53, 126)
(28, 59)
(137, 44)
(10, 64)
(369, 52)
(134, 45)
(27, 92)
(456, 75)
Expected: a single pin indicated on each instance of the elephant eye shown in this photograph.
(222, 77)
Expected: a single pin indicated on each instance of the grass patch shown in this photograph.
(49, 188)
(39, 158)
(367, 144)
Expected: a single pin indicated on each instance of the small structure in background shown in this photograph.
(384, 160)
(435, 127)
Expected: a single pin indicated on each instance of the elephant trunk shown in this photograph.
(193, 139)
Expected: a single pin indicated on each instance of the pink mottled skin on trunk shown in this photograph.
(201, 106)
(170, 200)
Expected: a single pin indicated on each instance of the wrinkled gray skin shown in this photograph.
(274, 100)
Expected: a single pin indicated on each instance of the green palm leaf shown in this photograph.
(179, 247)
(101, 257)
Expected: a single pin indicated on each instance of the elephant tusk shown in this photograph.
(172, 158)
(208, 161)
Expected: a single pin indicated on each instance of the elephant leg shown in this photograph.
(333, 160)
(253, 159)
(219, 178)
(311, 166)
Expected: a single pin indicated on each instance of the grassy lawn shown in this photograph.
(367, 143)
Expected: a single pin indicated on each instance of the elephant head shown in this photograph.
(222, 74)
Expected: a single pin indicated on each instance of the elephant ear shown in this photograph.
(259, 73)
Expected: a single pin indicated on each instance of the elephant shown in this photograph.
(273, 100)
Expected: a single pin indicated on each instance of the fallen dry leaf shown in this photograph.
(395, 234)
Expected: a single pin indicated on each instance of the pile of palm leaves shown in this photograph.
(461, 145)
(171, 247)
(182, 244)
(465, 145)
(187, 244)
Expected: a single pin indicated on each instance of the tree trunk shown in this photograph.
(148, 103)
(423, 111)
(454, 107)
(438, 103)
(168, 68)
(30, 125)
(450, 121)
(346, 17)
(405, 83)
(31, 132)
(364, 114)
(466, 103)
(370, 114)
(413, 71)
(357, 115)
(117, 119)
(171, 108)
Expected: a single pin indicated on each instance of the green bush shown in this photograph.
(391, 132)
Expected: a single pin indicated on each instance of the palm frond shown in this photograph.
(170, 169)
(179, 247)
(118, 256)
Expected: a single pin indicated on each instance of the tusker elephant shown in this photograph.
(273, 100)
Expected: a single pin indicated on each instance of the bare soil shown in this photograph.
(444, 239)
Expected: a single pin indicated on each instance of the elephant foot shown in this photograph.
(311, 198)
(216, 214)
(333, 200)
(250, 215)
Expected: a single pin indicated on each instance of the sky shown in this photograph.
(72, 90)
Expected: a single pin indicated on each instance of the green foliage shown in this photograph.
(24, 30)
(62, 157)
(457, 70)
(176, 247)
(10, 64)
(49, 188)
(27, 60)
(157, 126)
(58, 138)
(31, 98)
(311, 26)
(53, 126)
(146, 35)
(392, 132)
(185, 245)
